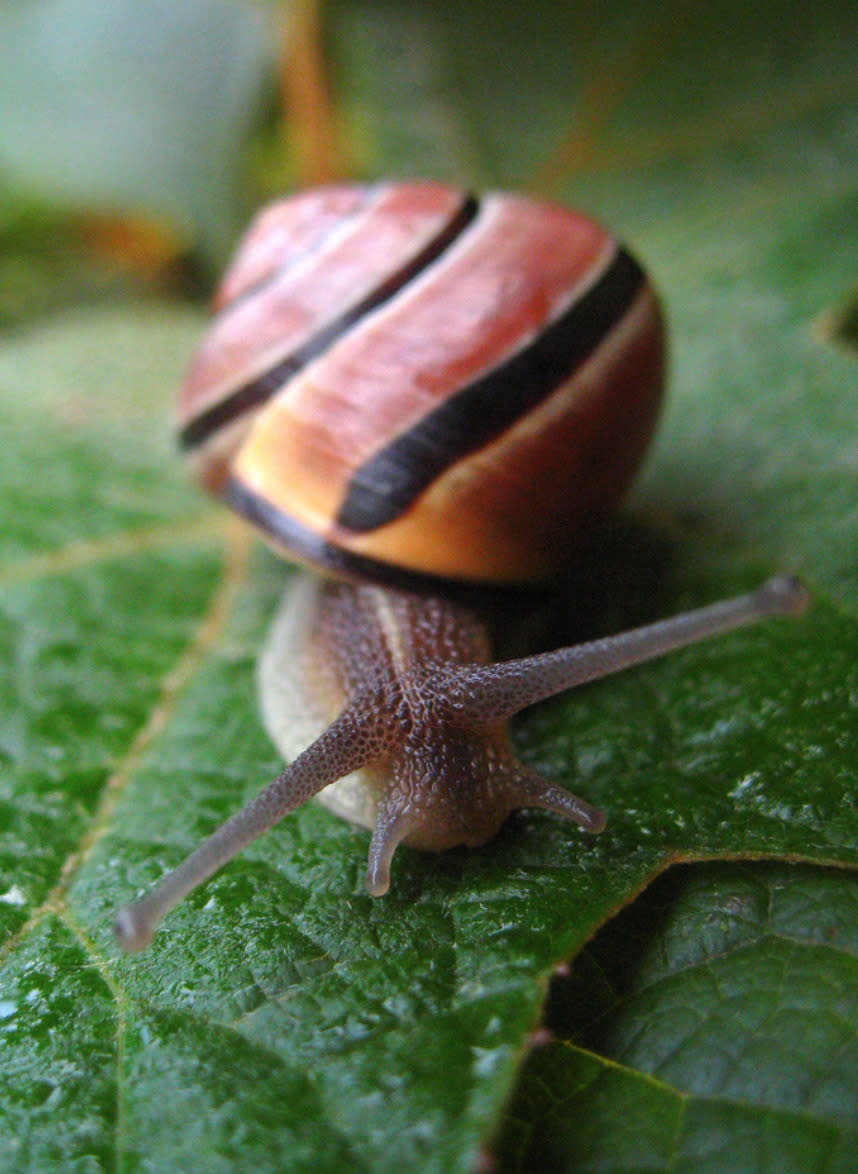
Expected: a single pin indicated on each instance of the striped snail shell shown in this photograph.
(404, 383)
(406, 387)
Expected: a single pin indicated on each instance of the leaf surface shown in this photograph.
(712, 1026)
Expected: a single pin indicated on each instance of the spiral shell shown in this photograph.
(408, 384)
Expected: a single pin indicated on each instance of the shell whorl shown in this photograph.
(404, 377)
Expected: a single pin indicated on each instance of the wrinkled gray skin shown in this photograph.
(417, 747)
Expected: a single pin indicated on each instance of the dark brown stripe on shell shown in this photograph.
(308, 546)
(383, 488)
(260, 389)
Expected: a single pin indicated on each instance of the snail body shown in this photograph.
(442, 771)
(419, 394)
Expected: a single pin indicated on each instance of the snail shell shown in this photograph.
(409, 385)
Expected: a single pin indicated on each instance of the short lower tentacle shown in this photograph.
(532, 790)
(391, 828)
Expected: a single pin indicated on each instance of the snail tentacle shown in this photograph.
(497, 691)
(349, 743)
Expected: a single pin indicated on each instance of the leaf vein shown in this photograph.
(172, 685)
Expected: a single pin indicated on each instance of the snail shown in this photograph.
(419, 394)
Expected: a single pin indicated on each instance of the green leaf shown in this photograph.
(283, 1020)
(712, 1026)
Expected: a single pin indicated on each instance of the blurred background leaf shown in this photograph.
(283, 1020)
(125, 126)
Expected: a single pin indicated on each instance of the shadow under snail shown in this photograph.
(408, 388)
